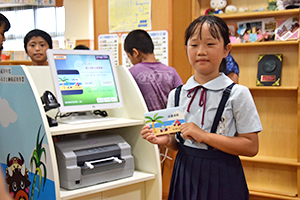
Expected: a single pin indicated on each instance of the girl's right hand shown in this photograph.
(148, 134)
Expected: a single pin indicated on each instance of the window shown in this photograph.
(24, 19)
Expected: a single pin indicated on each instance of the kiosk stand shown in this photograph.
(26, 140)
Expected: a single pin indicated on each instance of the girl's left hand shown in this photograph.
(193, 132)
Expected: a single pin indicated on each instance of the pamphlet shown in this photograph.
(165, 121)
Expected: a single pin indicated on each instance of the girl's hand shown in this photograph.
(148, 134)
(193, 132)
(245, 144)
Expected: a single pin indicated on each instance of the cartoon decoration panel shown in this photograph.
(24, 150)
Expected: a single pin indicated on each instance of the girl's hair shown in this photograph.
(217, 28)
(140, 40)
(37, 33)
(3, 19)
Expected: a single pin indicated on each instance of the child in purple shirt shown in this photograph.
(154, 79)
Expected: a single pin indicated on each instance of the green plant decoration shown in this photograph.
(36, 159)
(153, 120)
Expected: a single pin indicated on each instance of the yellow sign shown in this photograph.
(126, 15)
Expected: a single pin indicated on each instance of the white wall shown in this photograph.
(79, 19)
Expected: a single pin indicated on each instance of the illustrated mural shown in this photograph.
(24, 150)
(17, 178)
(39, 165)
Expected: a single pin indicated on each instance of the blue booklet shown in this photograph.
(165, 121)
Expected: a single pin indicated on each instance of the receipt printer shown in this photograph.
(88, 159)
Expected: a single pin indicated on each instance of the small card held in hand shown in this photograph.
(166, 120)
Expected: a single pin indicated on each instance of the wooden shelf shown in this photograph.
(272, 160)
(137, 177)
(270, 43)
(279, 88)
(63, 129)
(272, 194)
(258, 14)
(16, 62)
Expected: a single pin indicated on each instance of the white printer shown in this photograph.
(88, 159)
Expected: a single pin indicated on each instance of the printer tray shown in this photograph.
(102, 165)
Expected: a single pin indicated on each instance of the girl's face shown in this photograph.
(206, 54)
(2, 37)
(36, 50)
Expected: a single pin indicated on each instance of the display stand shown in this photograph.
(25, 136)
(145, 184)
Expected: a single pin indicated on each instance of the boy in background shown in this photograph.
(36, 43)
(154, 79)
(4, 26)
(81, 47)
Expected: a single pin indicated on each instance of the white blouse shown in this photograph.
(240, 114)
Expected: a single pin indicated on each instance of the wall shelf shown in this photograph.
(292, 88)
(272, 194)
(268, 43)
(258, 14)
(16, 62)
(272, 160)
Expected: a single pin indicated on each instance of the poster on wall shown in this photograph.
(70, 42)
(25, 151)
(125, 60)
(160, 41)
(109, 42)
(31, 2)
(126, 15)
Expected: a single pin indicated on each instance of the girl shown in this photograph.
(207, 166)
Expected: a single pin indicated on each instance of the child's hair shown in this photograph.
(37, 33)
(140, 40)
(81, 46)
(3, 19)
(217, 28)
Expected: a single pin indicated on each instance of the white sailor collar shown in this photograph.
(218, 83)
